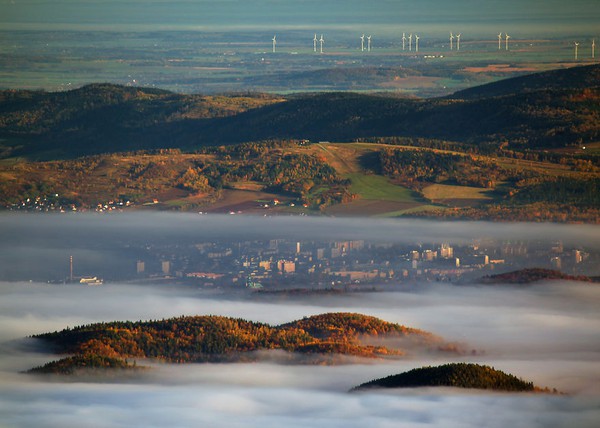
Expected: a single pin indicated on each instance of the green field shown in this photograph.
(377, 187)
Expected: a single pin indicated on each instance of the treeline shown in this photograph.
(583, 193)
(534, 212)
(459, 375)
(526, 276)
(578, 161)
(414, 168)
(71, 365)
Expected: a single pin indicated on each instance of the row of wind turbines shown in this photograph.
(410, 38)
(321, 41)
(577, 49)
(506, 38)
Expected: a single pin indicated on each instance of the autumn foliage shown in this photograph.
(217, 338)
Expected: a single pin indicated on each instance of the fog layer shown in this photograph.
(547, 334)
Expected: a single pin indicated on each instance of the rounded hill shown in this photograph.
(458, 375)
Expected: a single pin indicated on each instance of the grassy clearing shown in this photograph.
(253, 186)
(377, 187)
(446, 191)
(343, 157)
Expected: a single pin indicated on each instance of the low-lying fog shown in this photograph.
(37, 247)
(547, 333)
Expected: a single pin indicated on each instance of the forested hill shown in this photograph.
(576, 78)
(107, 118)
(321, 339)
(458, 375)
(527, 276)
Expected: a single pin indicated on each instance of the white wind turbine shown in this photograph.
(458, 41)
(410, 42)
(315, 40)
(451, 40)
(274, 42)
(403, 41)
(369, 43)
(321, 40)
(576, 48)
(362, 43)
(417, 43)
(499, 41)
(506, 39)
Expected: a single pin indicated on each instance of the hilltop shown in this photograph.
(321, 338)
(456, 375)
(576, 78)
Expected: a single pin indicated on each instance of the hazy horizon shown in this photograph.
(383, 17)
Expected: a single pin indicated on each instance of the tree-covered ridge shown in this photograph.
(107, 118)
(573, 78)
(351, 325)
(72, 365)
(459, 375)
(415, 167)
(581, 192)
(305, 176)
(217, 338)
(277, 167)
(526, 276)
(23, 112)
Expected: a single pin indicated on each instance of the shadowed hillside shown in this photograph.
(532, 113)
(570, 78)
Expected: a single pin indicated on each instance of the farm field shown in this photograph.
(457, 196)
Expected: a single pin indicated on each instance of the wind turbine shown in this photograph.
(593, 48)
(322, 40)
(417, 43)
(274, 42)
(576, 48)
(451, 39)
(403, 41)
(369, 43)
(410, 42)
(362, 43)
(507, 37)
(458, 41)
(499, 41)
(315, 43)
